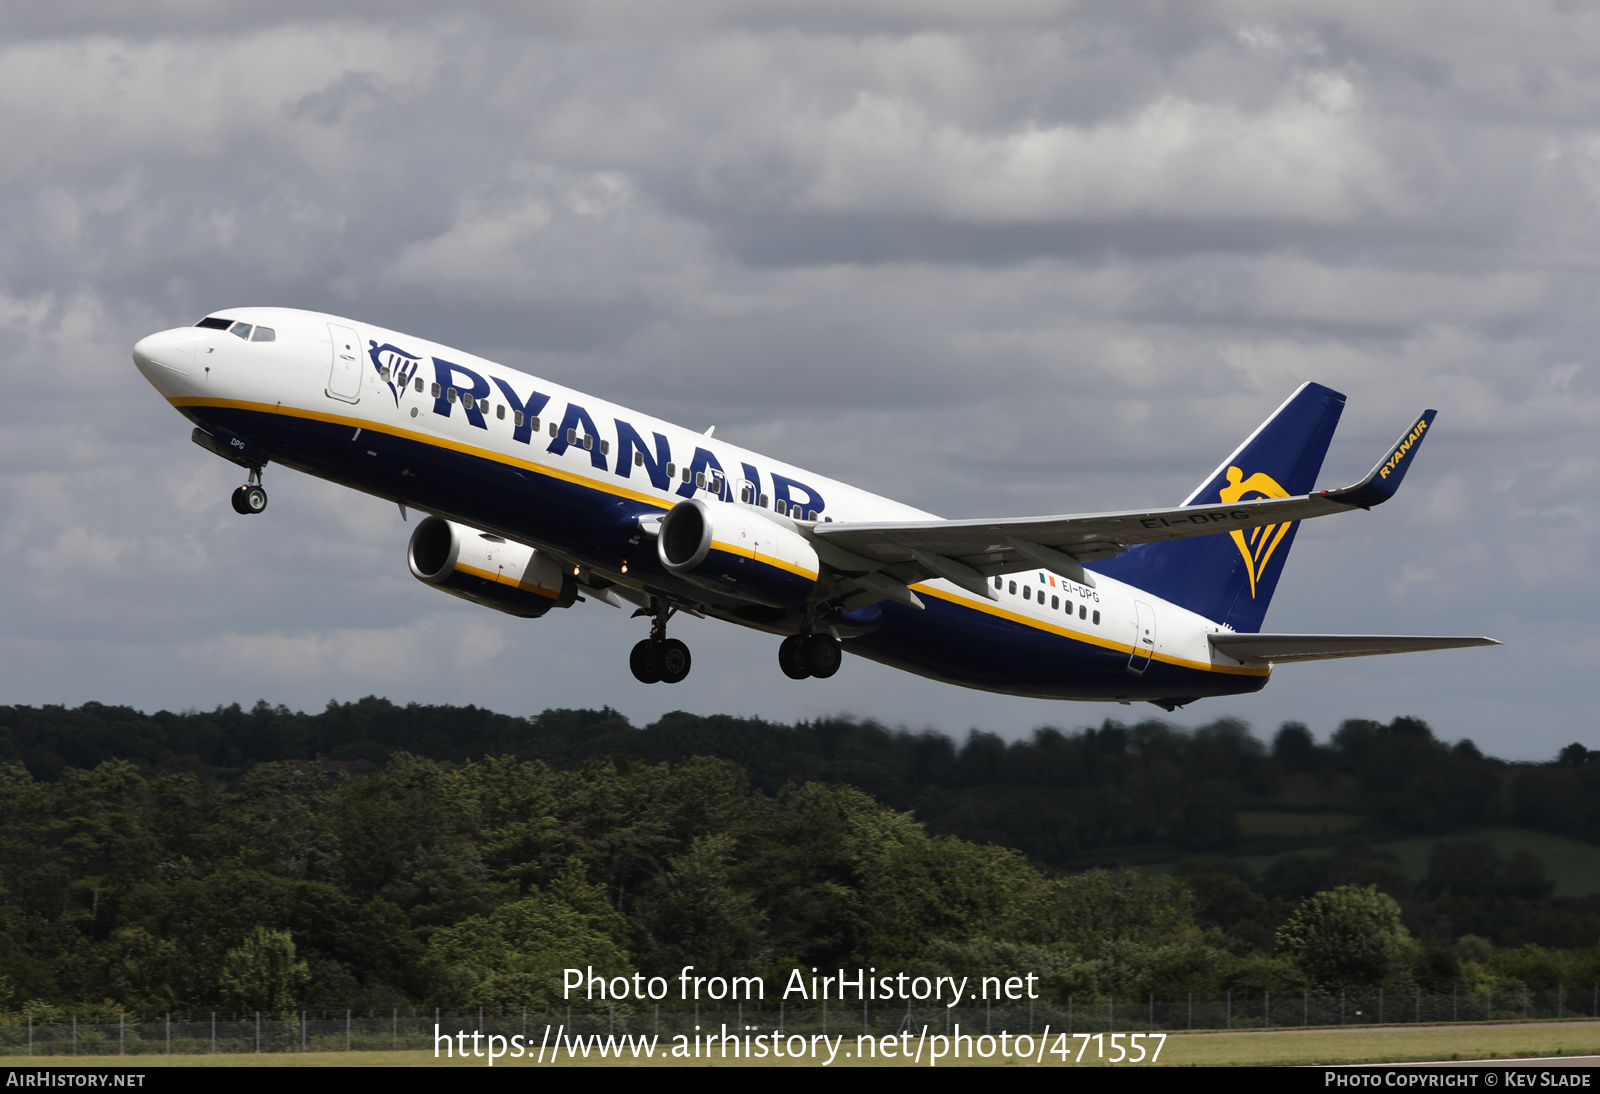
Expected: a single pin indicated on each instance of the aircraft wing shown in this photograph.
(968, 552)
(1279, 648)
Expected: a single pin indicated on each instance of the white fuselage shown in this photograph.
(340, 399)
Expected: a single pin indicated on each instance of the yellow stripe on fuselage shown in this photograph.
(429, 439)
(990, 608)
(615, 490)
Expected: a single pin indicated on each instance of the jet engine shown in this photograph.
(488, 570)
(737, 551)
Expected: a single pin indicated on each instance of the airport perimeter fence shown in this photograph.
(351, 1032)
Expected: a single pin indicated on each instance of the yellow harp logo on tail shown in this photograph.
(1257, 549)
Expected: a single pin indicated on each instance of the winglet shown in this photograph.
(1380, 485)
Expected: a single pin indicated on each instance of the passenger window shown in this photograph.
(588, 442)
(672, 470)
(765, 502)
(383, 372)
(1097, 618)
(450, 395)
(572, 436)
(999, 583)
(1053, 603)
(466, 400)
(1083, 613)
(688, 475)
(533, 426)
(780, 507)
(605, 448)
(700, 481)
(516, 416)
(1012, 589)
(419, 385)
(264, 334)
(745, 494)
(1027, 593)
(500, 412)
(435, 391)
(812, 515)
(638, 458)
(555, 430)
(241, 329)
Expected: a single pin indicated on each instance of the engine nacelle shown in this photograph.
(488, 570)
(733, 550)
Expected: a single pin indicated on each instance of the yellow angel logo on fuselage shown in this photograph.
(1257, 550)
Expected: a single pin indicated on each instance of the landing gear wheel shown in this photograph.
(255, 499)
(639, 662)
(819, 653)
(670, 660)
(789, 659)
(239, 505)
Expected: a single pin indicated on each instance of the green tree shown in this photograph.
(1082, 912)
(261, 974)
(140, 968)
(515, 955)
(699, 918)
(1347, 937)
(101, 831)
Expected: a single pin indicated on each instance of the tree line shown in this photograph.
(193, 869)
(1059, 797)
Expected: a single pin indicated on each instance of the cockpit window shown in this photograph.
(264, 334)
(241, 329)
(214, 323)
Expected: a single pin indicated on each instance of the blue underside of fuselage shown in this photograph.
(947, 641)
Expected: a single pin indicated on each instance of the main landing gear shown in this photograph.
(659, 659)
(250, 498)
(803, 655)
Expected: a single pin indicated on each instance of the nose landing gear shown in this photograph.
(250, 498)
(659, 659)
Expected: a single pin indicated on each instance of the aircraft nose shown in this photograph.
(163, 352)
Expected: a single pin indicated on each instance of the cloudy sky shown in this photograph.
(1002, 259)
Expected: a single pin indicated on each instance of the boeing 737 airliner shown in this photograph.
(539, 497)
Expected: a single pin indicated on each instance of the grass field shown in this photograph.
(1297, 825)
(1263, 1048)
(1572, 864)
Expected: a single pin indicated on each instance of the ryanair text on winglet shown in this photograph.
(1405, 446)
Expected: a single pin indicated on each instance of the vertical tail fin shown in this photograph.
(1230, 577)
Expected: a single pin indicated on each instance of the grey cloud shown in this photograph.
(1013, 259)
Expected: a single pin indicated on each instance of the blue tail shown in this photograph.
(1230, 577)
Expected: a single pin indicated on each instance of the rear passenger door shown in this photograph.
(1144, 637)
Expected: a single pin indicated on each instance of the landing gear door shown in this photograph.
(344, 375)
(1144, 637)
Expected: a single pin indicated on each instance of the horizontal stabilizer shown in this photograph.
(1277, 648)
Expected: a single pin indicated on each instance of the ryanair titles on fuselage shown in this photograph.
(457, 385)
